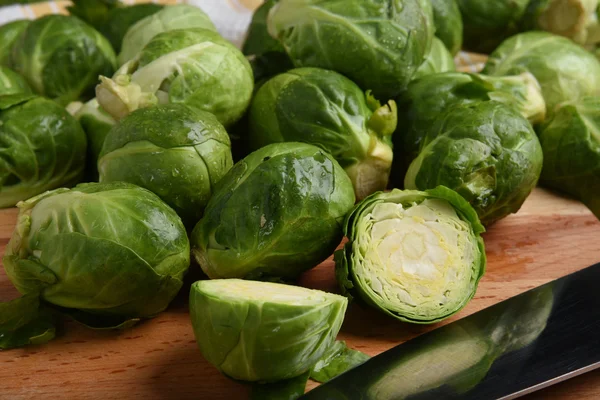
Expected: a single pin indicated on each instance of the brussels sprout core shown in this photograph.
(417, 255)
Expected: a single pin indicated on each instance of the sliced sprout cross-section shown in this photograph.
(417, 256)
(262, 331)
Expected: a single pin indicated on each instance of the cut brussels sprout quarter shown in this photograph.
(486, 152)
(575, 19)
(99, 250)
(262, 331)
(571, 145)
(328, 110)
(173, 150)
(564, 70)
(42, 146)
(62, 56)
(193, 66)
(278, 212)
(416, 256)
(12, 83)
(438, 60)
(181, 16)
(9, 33)
(379, 44)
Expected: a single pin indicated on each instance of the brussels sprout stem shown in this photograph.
(120, 97)
(372, 173)
(575, 19)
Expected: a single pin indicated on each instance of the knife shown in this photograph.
(523, 344)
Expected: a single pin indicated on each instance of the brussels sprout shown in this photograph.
(175, 151)
(571, 145)
(12, 83)
(267, 56)
(61, 57)
(438, 60)
(416, 256)
(277, 213)
(379, 44)
(194, 66)
(328, 110)
(428, 97)
(565, 71)
(181, 16)
(486, 152)
(448, 24)
(9, 33)
(575, 19)
(42, 146)
(92, 12)
(262, 331)
(96, 124)
(120, 19)
(488, 23)
(101, 249)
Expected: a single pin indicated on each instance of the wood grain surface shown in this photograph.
(550, 237)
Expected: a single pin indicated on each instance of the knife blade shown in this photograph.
(523, 344)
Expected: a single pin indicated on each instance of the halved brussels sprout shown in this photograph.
(328, 110)
(12, 83)
(565, 71)
(575, 19)
(262, 331)
(42, 147)
(193, 66)
(96, 124)
(438, 60)
(448, 24)
(175, 151)
(428, 97)
(9, 33)
(277, 213)
(488, 23)
(571, 144)
(97, 250)
(267, 56)
(486, 151)
(181, 16)
(61, 57)
(380, 55)
(416, 256)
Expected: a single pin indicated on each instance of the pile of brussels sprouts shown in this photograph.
(135, 139)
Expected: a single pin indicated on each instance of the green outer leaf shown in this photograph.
(261, 331)
(61, 57)
(571, 145)
(345, 259)
(294, 197)
(336, 361)
(487, 23)
(289, 389)
(564, 70)
(9, 33)
(12, 83)
(486, 152)
(180, 16)
(438, 60)
(175, 151)
(25, 321)
(448, 24)
(378, 44)
(66, 248)
(42, 147)
(93, 12)
(120, 19)
(328, 110)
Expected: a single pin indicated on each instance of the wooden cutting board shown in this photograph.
(550, 237)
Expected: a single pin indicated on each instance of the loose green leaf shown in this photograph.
(289, 389)
(25, 321)
(336, 361)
